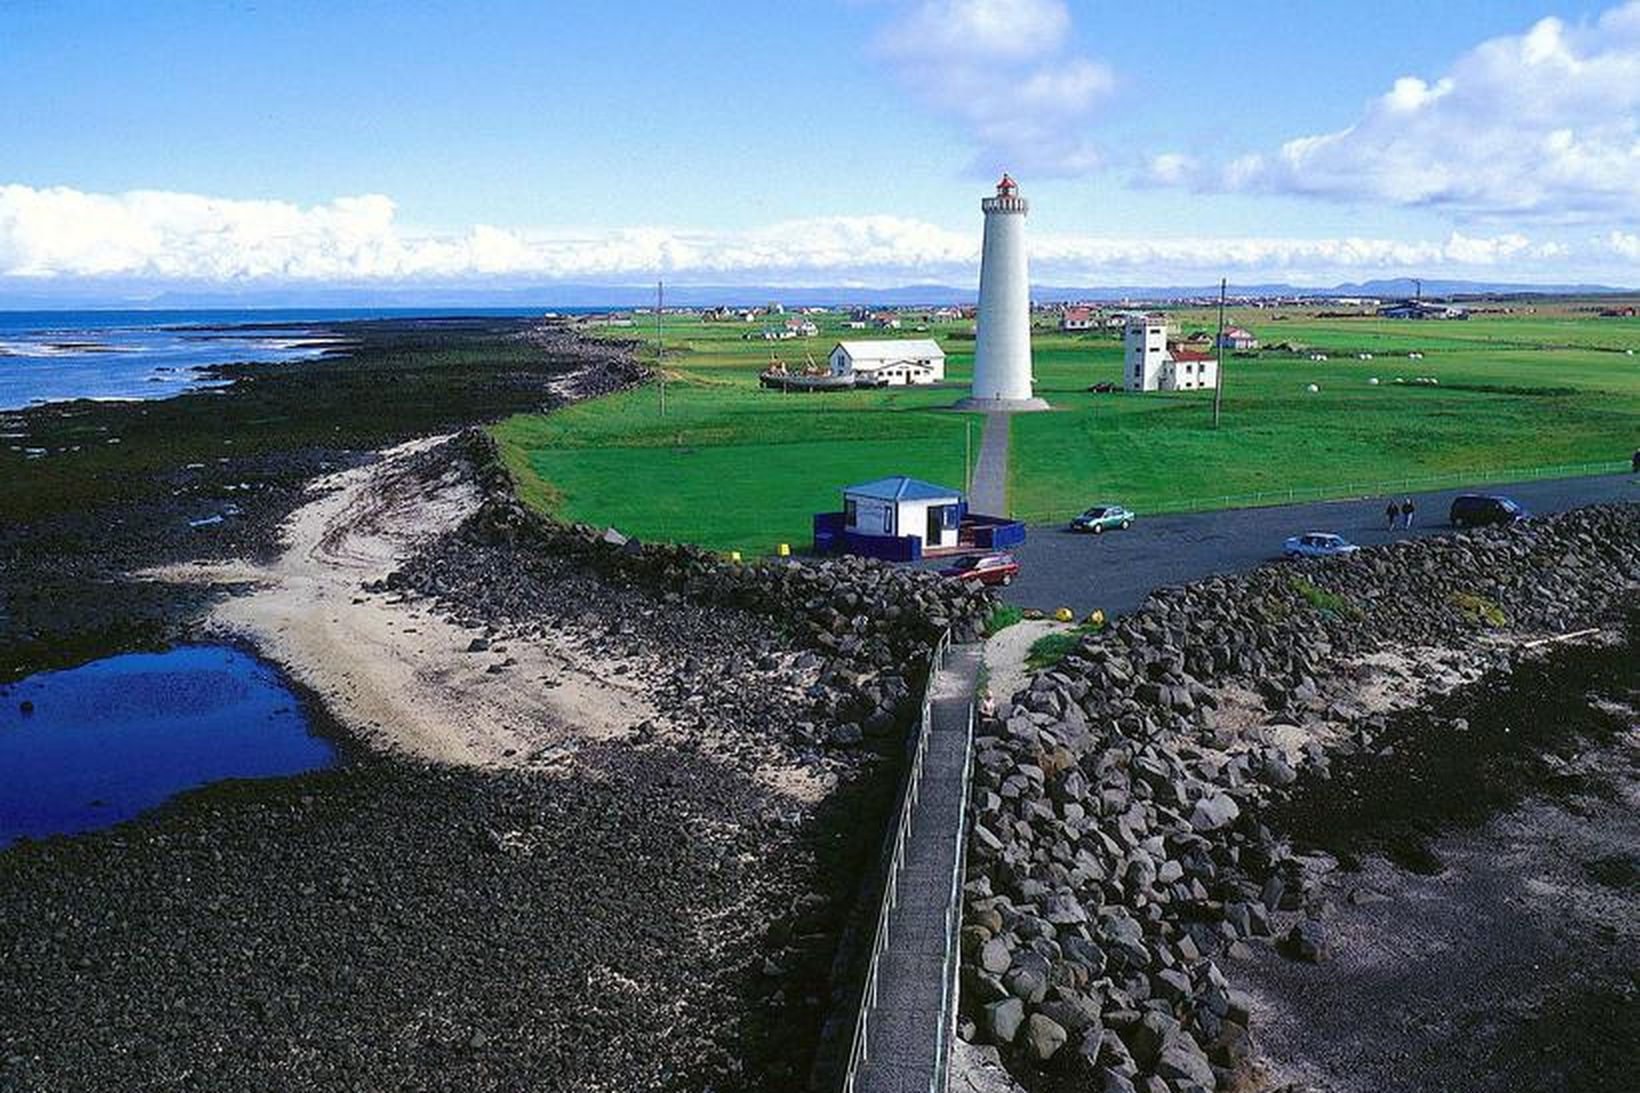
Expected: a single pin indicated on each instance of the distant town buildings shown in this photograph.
(1422, 309)
(1151, 363)
(890, 363)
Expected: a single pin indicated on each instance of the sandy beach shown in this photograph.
(403, 677)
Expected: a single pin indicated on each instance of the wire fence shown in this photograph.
(1347, 491)
(753, 542)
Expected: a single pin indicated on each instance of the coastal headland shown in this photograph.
(606, 810)
(611, 812)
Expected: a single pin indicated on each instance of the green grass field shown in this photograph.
(731, 466)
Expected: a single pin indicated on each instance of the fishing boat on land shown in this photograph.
(812, 377)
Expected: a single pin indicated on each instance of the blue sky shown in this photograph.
(833, 141)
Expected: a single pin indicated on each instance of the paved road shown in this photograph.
(908, 1033)
(988, 491)
(1117, 570)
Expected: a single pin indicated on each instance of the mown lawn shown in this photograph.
(736, 468)
(731, 466)
(1493, 410)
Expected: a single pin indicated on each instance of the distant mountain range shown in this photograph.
(549, 296)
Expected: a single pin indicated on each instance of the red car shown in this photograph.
(985, 568)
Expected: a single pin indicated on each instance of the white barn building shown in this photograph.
(892, 362)
(1149, 363)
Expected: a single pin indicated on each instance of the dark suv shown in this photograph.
(1473, 510)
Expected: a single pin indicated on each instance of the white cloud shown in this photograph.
(1540, 124)
(1624, 245)
(1020, 30)
(1004, 70)
(65, 236)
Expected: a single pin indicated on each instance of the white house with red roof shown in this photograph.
(1236, 337)
(1076, 318)
(1152, 363)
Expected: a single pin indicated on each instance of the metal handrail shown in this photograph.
(860, 1052)
(953, 921)
(1355, 490)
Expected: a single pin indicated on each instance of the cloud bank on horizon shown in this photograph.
(60, 233)
(1530, 141)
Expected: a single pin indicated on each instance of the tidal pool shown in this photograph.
(89, 746)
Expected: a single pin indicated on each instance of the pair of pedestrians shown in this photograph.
(1404, 510)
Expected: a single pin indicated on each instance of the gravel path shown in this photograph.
(988, 492)
(1005, 654)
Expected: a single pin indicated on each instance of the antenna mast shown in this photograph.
(660, 347)
(1218, 350)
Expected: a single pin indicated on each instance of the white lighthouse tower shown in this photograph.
(1002, 348)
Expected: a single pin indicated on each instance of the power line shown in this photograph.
(1218, 349)
(660, 347)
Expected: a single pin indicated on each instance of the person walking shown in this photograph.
(1407, 509)
(1390, 513)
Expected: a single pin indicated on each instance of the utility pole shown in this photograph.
(1218, 349)
(660, 368)
(967, 455)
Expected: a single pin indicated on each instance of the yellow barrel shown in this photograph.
(734, 555)
(1064, 614)
(785, 550)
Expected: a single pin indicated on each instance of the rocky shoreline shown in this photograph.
(666, 901)
(1136, 806)
(661, 905)
(124, 484)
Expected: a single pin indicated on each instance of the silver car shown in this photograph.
(1318, 544)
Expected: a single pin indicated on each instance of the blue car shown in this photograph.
(1102, 518)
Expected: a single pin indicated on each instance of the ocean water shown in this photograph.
(48, 356)
(90, 746)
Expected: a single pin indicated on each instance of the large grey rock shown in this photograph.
(1001, 1020)
(1213, 812)
(1043, 1038)
(1114, 1081)
(1072, 1009)
(1062, 909)
(1027, 983)
(1183, 1064)
(977, 1068)
(1307, 940)
(1147, 1038)
(995, 956)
